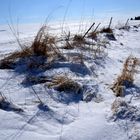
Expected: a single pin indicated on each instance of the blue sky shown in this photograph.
(29, 11)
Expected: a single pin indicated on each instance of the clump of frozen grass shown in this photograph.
(126, 79)
(10, 61)
(118, 103)
(106, 30)
(64, 83)
(93, 34)
(43, 45)
(122, 110)
(109, 33)
(78, 40)
(90, 93)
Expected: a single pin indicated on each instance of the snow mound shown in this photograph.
(123, 110)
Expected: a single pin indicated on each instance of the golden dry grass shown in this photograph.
(64, 83)
(126, 78)
(43, 45)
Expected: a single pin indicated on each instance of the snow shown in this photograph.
(62, 118)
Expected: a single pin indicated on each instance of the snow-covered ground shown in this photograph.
(68, 119)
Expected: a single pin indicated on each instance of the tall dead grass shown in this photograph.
(126, 79)
(43, 45)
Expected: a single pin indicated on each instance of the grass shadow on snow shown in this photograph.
(74, 67)
(65, 97)
(133, 90)
(9, 106)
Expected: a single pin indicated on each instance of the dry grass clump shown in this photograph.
(126, 79)
(39, 44)
(109, 33)
(20, 54)
(63, 83)
(93, 35)
(9, 61)
(106, 30)
(116, 104)
(68, 45)
(123, 110)
(45, 45)
(78, 40)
